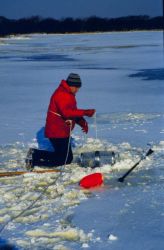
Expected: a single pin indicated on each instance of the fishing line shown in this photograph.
(95, 124)
(84, 140)
(69, 142)
(42, 193)
(51, 184)
(84, 137)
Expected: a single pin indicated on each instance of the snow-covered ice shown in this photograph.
(122, 75)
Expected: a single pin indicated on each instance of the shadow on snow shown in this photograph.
(150, 74)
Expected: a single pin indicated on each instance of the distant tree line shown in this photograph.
(36, 24)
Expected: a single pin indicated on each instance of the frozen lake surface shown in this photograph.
(123, 76)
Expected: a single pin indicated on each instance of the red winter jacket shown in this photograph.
(62, 107)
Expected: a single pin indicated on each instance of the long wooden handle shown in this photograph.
(15, 173)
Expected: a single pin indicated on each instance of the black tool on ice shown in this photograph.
(149, 152)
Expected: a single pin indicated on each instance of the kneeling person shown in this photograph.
(62, 115)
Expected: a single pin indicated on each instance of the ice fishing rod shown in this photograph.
(149, 152)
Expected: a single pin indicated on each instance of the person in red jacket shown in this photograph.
(62, 115)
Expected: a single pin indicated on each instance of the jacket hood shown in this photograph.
(65, 86)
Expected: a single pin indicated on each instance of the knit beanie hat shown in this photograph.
(74, 80)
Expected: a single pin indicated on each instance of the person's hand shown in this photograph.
(84, 125)
(89, 112)
(68, 122)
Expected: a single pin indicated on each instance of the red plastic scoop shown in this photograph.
(92, 180)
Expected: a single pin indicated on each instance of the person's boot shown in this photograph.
(29, 160)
